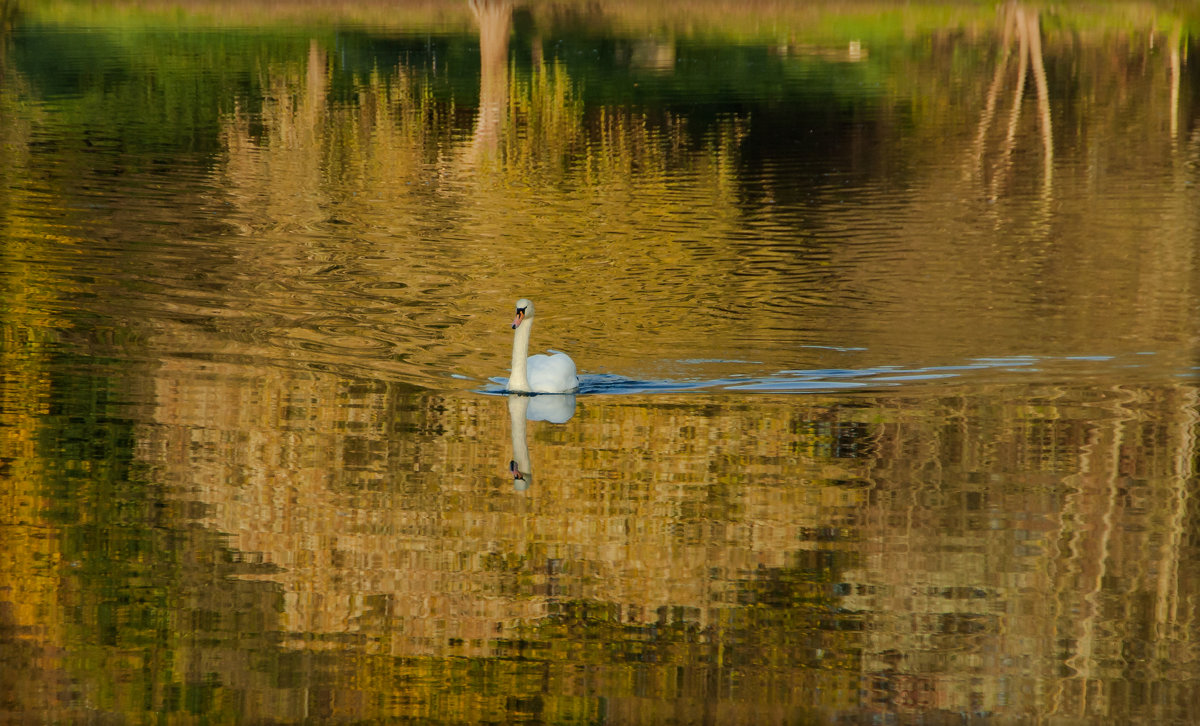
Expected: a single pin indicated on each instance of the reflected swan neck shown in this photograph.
(517, 406)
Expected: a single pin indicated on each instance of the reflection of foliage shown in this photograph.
(780, 623)
(114, 542)
(168, 95)
(128, 598)
(544, 122)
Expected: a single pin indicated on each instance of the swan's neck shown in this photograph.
(519, 380)
(517, 406)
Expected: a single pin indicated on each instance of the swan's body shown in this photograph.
(537, 373)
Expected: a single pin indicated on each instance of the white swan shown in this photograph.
(537, 373)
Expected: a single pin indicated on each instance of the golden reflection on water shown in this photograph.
(486, 220)
(984, 550)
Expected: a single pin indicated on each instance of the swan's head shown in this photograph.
(524, 312)
(521, 479)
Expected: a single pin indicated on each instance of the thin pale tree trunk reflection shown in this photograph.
(1175, 69)
(1166, 604)
(1014, 116)
(1024, 26)
(993, 96)
(1034, 34)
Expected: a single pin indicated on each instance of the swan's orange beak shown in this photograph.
(520, 316)
(512, 469)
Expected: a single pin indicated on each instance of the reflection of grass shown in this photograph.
(770, 21)
(816, 22)
(393, 13)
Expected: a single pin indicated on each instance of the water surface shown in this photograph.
(885, 319)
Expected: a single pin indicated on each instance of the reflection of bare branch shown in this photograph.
(1087, 527)
(1033, 30)
(1014, 116)
(1166, 603)
(989, 110)
(1176, 67)
(1024, 24)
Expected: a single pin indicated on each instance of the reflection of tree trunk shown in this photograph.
(1167, 590)
(8, 18)
(1088, 516)
(1034, 31)
(1176, 67)
(1014, 116)
(537, 55)
(989, 110)
(1025, 25)
(1097, 500)
(315, 87)
(495, 20)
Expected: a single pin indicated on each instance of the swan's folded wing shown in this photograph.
(552, 373)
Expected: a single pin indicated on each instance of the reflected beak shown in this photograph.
(520, 480)
(517, 320)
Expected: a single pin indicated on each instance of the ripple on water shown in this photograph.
(1007, 369)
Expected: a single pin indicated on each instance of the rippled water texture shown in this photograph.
(885, 319)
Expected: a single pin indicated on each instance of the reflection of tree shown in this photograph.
(31, 586)
(34, 672)
(391, 168)
(8, 18)
(1101, 518)
(897, 545)
(731, 661)
(495, 20)
(1019, 25)
(1097, 534)
(1175, 41)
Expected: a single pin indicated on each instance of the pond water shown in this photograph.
(885, 320)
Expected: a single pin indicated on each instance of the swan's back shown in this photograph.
(552, 373)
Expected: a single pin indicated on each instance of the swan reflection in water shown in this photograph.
(521, 408)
